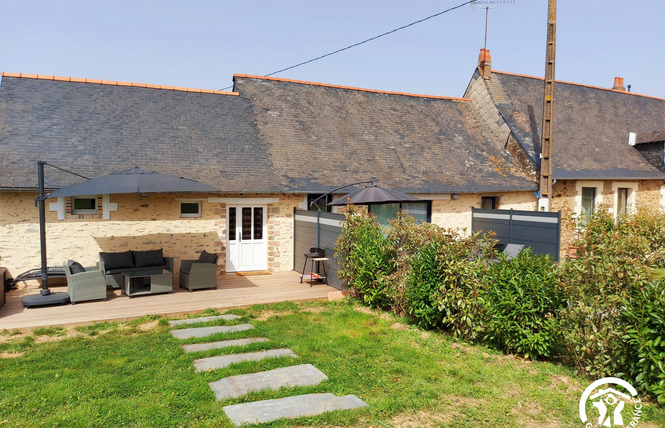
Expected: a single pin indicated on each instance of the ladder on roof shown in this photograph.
(548, 113)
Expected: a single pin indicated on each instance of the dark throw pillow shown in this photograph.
(149, 258)
(75, 267)
(207, 257)
(118, 260)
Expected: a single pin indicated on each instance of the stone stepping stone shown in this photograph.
(222, 361)
(197, 347)
(187, 333)
(290, 407)
(237, 386)
(227, 317)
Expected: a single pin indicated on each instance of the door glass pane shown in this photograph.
(246, 223)
(232, 224)
(258, 223)
(588, 201)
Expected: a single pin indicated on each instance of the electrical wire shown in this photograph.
(367, 40)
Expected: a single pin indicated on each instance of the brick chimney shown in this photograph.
(618, 84)
(485, 63)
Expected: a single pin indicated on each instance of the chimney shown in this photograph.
(485, 63)
(618, 84)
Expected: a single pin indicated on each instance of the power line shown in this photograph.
(367, 40)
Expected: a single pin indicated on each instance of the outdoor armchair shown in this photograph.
(84, 283)
(198, 274)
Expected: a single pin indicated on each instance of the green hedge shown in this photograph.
(602, 313)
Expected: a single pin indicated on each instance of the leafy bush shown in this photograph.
(523, 299)
(646, 337)
(366, 258)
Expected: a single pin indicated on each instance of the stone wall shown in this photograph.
(140, 223)
(648, 196)
(456, 213)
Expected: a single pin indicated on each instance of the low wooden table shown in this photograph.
(139, 284)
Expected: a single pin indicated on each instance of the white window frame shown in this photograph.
(578, 195)
(85, 212)
(191, 201)
(632, 191)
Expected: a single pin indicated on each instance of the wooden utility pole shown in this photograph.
(548, 113)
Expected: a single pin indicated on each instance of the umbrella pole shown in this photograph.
(42, 228)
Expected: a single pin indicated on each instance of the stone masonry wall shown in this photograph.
(648, 196)
(140, 223)
(456, 214)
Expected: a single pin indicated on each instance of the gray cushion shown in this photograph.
(120, 260)
(207, 257)
(148, 258)
(75, 267)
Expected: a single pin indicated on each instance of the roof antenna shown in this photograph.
(487, 5)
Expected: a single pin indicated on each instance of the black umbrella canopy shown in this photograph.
(133, 180)
(373, 195)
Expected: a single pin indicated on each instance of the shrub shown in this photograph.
(522, 303)
(610, 317)
(645, 316)
(367, 259)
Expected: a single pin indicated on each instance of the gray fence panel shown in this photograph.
(541, 231)
(317, 229)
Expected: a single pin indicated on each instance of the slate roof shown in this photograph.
(324, 136)
(96, 128)
(271, 136)
(591, 126)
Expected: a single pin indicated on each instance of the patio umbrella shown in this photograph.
(134, 180)
(373, 195)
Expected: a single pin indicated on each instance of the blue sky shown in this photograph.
(202, 43)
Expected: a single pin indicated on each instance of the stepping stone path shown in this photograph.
(227, 317)
(197, 347)
(226, 360)
(187, 333)
(237, 386)
(290, 407)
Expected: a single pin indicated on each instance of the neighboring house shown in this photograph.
(271, 146)
(593, 156)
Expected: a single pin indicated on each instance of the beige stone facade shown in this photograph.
(642, 194)
(137, 223)
(456, 213)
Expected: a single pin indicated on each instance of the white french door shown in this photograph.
(247, 247)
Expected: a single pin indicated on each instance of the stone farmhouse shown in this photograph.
(274, 145)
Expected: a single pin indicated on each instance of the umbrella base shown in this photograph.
(44, 300)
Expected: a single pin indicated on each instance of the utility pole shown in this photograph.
(545, 198)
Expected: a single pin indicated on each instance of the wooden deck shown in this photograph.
(232, 291)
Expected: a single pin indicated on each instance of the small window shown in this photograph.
(190, 209)
(489, 202)
(622, 202)
(588, 201)
(318, 202)
(84, 205)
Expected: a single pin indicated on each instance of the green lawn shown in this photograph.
(136, 374)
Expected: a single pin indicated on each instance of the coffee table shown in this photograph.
(142, 283)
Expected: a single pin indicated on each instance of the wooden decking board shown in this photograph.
(233, 291)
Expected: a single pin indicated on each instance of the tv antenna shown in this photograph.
(487, 5)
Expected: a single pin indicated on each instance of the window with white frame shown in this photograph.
(190, 209)
(84, 205)
(588, 197)
(624, 198)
